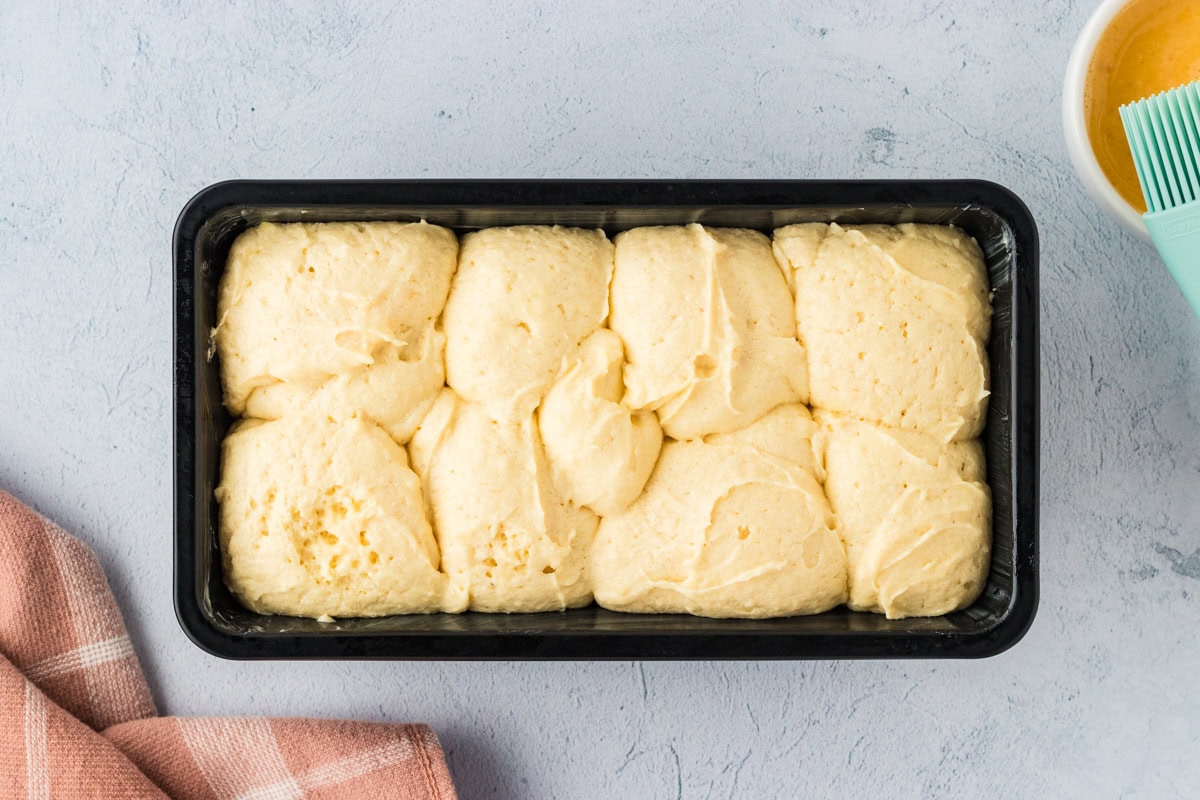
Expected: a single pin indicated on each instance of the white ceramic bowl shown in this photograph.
(1075, 126)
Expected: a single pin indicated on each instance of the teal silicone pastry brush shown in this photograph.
(1164, 135)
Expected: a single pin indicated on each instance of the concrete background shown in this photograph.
(113, 115)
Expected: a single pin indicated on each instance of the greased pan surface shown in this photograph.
(994, 216)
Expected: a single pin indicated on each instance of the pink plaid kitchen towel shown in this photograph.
(77, 719)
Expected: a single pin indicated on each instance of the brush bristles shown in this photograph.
(1164, 136)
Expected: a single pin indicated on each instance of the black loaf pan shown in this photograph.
(994, 216)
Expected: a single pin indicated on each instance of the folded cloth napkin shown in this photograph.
(77, 719)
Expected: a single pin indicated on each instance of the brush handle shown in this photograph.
(1176, 234)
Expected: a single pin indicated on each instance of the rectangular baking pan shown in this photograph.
(993, 215)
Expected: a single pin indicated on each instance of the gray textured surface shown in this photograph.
(110, 119)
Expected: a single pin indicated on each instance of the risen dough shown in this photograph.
(735, 525)
(330, 313)
(523, 299)
(509, 541)
(395, 392)
(708, 327)
(895, 323)
(600, 452)
(915, 514)
(544, 475)
(324, 518)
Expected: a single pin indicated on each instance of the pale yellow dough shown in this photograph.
(509, 540)
(735, 525)
(915, 514)
(600, 452)
(395, 392)
(708, 327)
(796, 247)
(323, 518)
(895, 323)
(335, 319)
(522, 300)
(534, 413)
